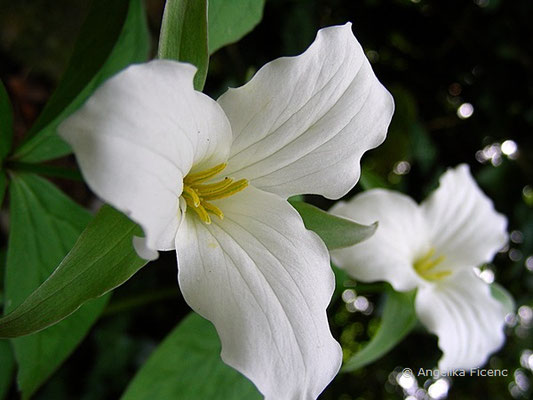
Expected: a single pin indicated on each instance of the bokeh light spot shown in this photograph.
(509, 148)
(439, 389)
(465, 110)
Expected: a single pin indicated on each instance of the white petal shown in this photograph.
(146, 253)
(466, 318)
(388, 255)
(265, 282)
(139, 135)
(302, 123)
(463, 225)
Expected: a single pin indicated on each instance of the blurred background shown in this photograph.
(461, 75)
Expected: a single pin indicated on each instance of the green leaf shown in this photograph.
(183, 35)
(230, 20)
(503, 296)
(46, 170)
(3, 186)
(7, 360)
(44, 226)
(371, 180)
(340, 277)
(7, 367)
(102, 259)
(422, 147)
(398, 319)
(113, 36)
(6, 123)
(187, 365)
(335, 231)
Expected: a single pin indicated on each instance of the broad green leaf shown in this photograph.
(503, 296)
(7, 367)
(113, 36)
(102, 259)
(397, 321)
(230, 20)
(187, 365)
(44, 226)
(183, 35)
(335, 231)
(6, 123)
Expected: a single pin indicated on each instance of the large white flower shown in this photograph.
(434, 247)
(210, 179)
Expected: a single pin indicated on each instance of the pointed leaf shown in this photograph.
(44, 225)
(114, 35)
(102, 259)
(230, 20)
(187, 365)
(398, 319)
(6, 123)
(336, 232)
(183, 35)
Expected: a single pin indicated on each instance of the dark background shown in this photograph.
(433, 56)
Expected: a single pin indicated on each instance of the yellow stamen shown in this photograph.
(203, 176)
(425, 266)
(214, 187)
(214, 209)
(437, 276)
(235, 187)
(190, 194)
(197, 195)
(202, 213)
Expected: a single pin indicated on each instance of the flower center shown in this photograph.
(198, 194)
(425, 266)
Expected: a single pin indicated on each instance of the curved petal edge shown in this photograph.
(265, 282)
(302, 123)
(466, 318)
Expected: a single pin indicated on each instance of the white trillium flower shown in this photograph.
(210, 180)
(434, 247)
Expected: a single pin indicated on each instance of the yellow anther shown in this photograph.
(189, 201)
(202, 213)
(425, 266)
(197, 194)
(426, 262)
(190, 194)
(209, 188)
(214, 209)
(203, 176)
(437, 276)
(232, 189)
